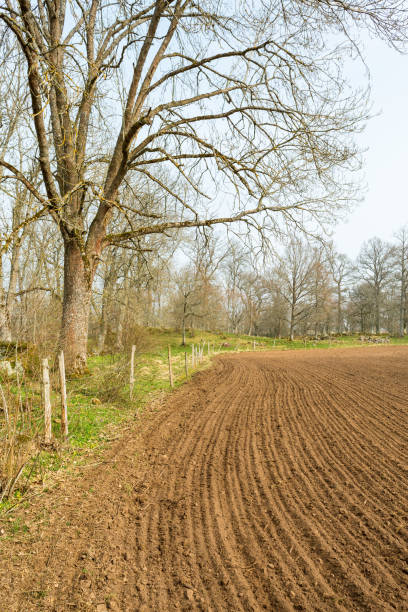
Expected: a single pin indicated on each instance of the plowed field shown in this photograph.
(273, 481)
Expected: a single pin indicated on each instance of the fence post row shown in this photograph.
(5, 408)
(47, 401)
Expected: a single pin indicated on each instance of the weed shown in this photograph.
(17, 526)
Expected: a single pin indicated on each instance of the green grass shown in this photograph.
(99, 402)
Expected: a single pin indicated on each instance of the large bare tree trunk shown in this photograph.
(75, 308)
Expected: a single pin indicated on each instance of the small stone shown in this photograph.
(190, 594)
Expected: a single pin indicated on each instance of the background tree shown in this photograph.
(361, 307)
(320, 292)
(340, 270)
(375, 269)
(187, 302)
(293, 281)
(234, 267)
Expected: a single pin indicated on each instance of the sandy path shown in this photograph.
(274, 481)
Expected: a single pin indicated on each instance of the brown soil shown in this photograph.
(274, 481)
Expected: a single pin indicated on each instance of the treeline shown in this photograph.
(304, 288)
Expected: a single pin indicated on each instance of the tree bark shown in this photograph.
(75, 309)
(5, 329)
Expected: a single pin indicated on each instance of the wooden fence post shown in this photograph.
(132, 371)
(5, 409)
(47, 401)
(253, 344)
(186, 364)
(192, 356)
(63, 390)
(170, 367)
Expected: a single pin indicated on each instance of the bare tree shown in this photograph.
(340, 269)
(274, 317)
(361, 307)
(293, 281)
(234, 268)
(207, 253)
(188, 300)
(320, 292)
(375, 269)
(120, 89)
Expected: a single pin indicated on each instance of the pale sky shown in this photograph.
(384, 209)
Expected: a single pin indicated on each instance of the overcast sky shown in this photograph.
(384, 208)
